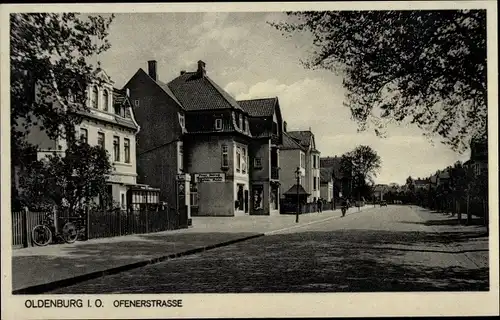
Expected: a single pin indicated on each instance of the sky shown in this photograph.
(250, 59)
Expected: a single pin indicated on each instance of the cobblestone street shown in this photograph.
(395, 248)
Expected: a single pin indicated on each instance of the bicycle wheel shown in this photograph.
(69, 232)
(41, 235)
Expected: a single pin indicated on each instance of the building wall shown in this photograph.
(122, 172)
(157, 154)
(203, 154)
(289, 161)
(326, 191)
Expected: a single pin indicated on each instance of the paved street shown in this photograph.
(395, 248)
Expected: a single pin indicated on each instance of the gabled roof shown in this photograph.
(201, 93)
(293, 190)
(160, 84)
(290, 144)
(325, 175)
(259, 107)
(304, 137)
(333, 164)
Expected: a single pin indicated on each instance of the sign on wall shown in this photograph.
(210, 177)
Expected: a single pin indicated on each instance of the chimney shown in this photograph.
(201, 69)
(183, 72)
(152, 69)
(284, 126)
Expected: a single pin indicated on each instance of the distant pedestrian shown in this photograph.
(319, 205)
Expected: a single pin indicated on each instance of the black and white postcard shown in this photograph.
(328, 159)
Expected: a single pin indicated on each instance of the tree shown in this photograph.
(427, 67)
(68, 182)
(48, 53)
(361, 165)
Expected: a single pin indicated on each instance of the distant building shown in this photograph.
(379, 190)
(341, 182)
(479, 156)
(311, 181)
(326, 184)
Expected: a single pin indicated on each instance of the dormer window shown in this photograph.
(118, 109)
(182, 122)
(105, 97)
(218, 124)
(244, 125)
(241, 121)
(95, 97)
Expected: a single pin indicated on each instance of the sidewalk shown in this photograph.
(470, 240)
(42, 268)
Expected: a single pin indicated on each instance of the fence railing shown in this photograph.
(98, 224)
(104, 224)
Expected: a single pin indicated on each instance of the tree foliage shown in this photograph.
(48, 63)
(361, 165)
(66, 181)
(427, 67)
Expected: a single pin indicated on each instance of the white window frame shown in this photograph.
(105, 98)
(224, 156)
(238, 159)
(116, 155)
(180, 154)
(218, 124)
(100, 133)
(126, 154)
(84, 137)
(244, 160)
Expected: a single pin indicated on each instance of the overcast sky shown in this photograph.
(250, 59)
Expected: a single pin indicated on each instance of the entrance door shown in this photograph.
(240, 198)
(246, 201)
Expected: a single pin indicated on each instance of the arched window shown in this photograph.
(95, 97)
(105, 97)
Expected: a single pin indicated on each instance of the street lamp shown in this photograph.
(297, 176)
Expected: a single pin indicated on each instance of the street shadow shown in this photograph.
(448, 222)
(337, 261)
(68, 261)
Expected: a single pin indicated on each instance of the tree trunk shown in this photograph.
(469, 214)
(459, 214)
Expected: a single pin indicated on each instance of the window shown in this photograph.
(116, 148)
(84, 135)
(302, 160)
(225, 159)
(241, 121)
(136, 102)
(100, 140)
(238, 159)
(244, 160)
(181, 155)
(314, 161)
(123, 200)
(257, 162)
(245, 125)
(193, 195)
(126, 146)
(105, 98)
(118, 109)
(182, 121)
(314, 183)
(218, 124)
(95, 98)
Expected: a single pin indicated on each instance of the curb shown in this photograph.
(46, 287)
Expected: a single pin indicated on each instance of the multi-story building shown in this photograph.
(479, 156)
(191, 125)
(341, 183)
(109, 123)
(299, 150)
(266, 127)
(312, 164)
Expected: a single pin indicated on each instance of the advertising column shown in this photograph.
(183, 203)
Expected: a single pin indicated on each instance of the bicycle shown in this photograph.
(42, 234)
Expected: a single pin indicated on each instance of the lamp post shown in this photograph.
(297, 176)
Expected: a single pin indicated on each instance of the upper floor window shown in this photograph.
(95, 97)
(244, 160)
(257, 162)
(100, 140)
(126, 146)
(244, 128)
(241, 121)
(105, 98)
(116, 148)
(314, 162)
(118, 109)
(182, 121)
(238, 159)
(218, 124)
(302, 160)
(225, 157)
(84, 135)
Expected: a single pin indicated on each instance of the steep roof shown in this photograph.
(325, 174)
(160, 84)
(259, 107)
(289, 143)
(201, 93)
(333, 163)
(304, 137)
(293, 190)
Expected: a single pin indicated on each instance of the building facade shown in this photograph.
(192, 126)
(326, 184)
(311, 181)
(109, 123)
